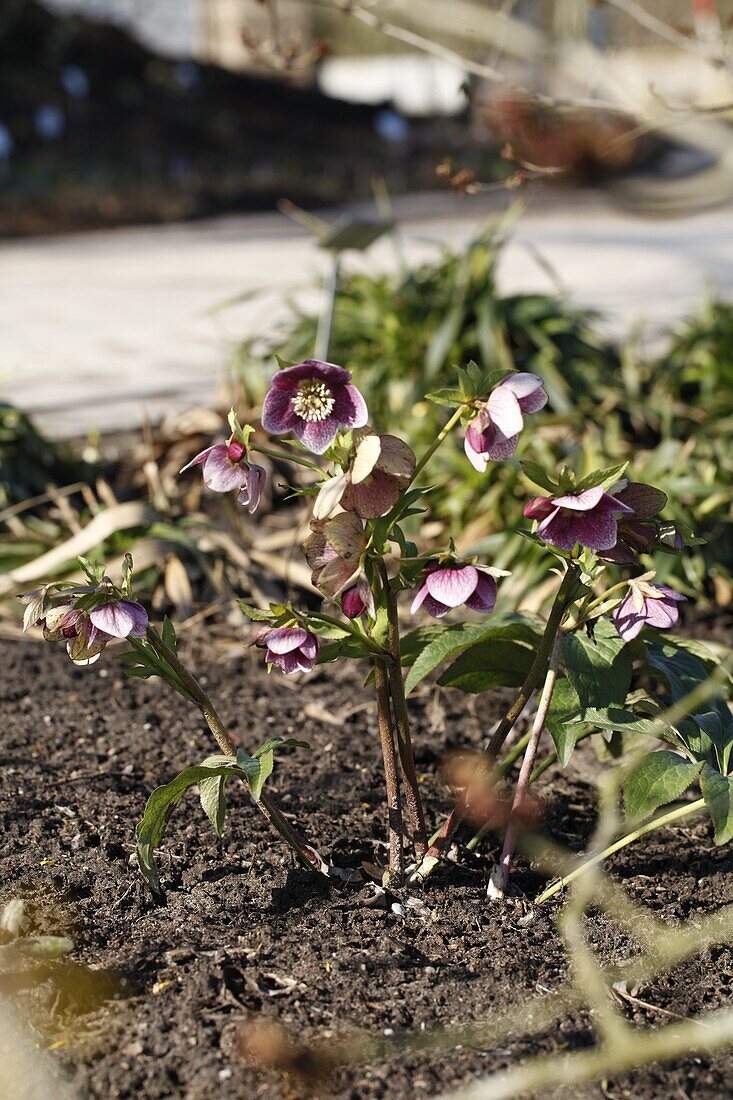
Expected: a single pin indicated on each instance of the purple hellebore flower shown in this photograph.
(646, 605)
(358, 600)
(493, 435)
(313, 400)
(289, 648)
(444, 587)
(589, 518)
(333, 550)
(87, 633)
(225, 467)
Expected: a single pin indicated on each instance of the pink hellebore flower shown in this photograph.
(589, 518)
(493, 435)
(444, 587)
(289, 648)
(225, 468)
(646, 605)
(313, 400)
(333, 551)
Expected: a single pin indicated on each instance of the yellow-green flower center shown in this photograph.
(313, 401)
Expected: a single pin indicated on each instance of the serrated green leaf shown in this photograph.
(450, 397)
(212, 794)
(659, 778)
(496, 663)
(607, 477)
(717, 790)
(600, 669)
(618, 718)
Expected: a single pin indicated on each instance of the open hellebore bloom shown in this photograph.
(381, 467)
(642, 531)
(444, 587)
(225, 468)
(313, 400)
(289, 648)
(589, 518)
(333, 551)
(493, 435)
(86, 633)
(646, 605)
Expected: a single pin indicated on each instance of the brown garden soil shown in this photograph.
(154, 998)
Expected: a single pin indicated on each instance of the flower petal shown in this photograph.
(349, 407)
(329, 496)
(396, 458)
(434, 607)
(316, 435)
(451, 585)
(581, 502)
(528, 389)
(251, 492)
(366, 456)
(277, 410)
(220, 474)
(284, 639)
(201, 457)
(645, 500)
(121, 619)
(374, 497)
(289, 377)
(505, 412)
(483, 597)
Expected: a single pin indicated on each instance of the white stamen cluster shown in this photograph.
(313, 401)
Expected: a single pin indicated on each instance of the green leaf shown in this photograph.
(169, 634)
(658, 779)
(158, 809)
(495, 663)
(565, 720)
(448, 642)
(600, 669)
(683, 671)
(538, 475)
(606, 478)
(449, 397)
(618, 718)
(717, 790)
(212, 794)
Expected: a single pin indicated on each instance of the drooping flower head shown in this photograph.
(227, 468)
(333, 551)
(589, 517)
(86, 632)
(641, 531)
(289, 648)
(313, 400)
(445, 586)
(646, 605)
(493, 435)
(381, 467)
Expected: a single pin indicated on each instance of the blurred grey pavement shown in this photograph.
(96, 328)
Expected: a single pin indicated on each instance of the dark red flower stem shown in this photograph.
(392, 781)
(195, 692)
(413, 798)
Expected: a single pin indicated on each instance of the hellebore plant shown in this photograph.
(582, 661)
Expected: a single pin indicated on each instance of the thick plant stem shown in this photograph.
(555, 617)
(415, 810)
(194, 690)
(657, 823)
(392, 782)
(500, 877)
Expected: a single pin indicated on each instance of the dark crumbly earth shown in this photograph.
(155, 999)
